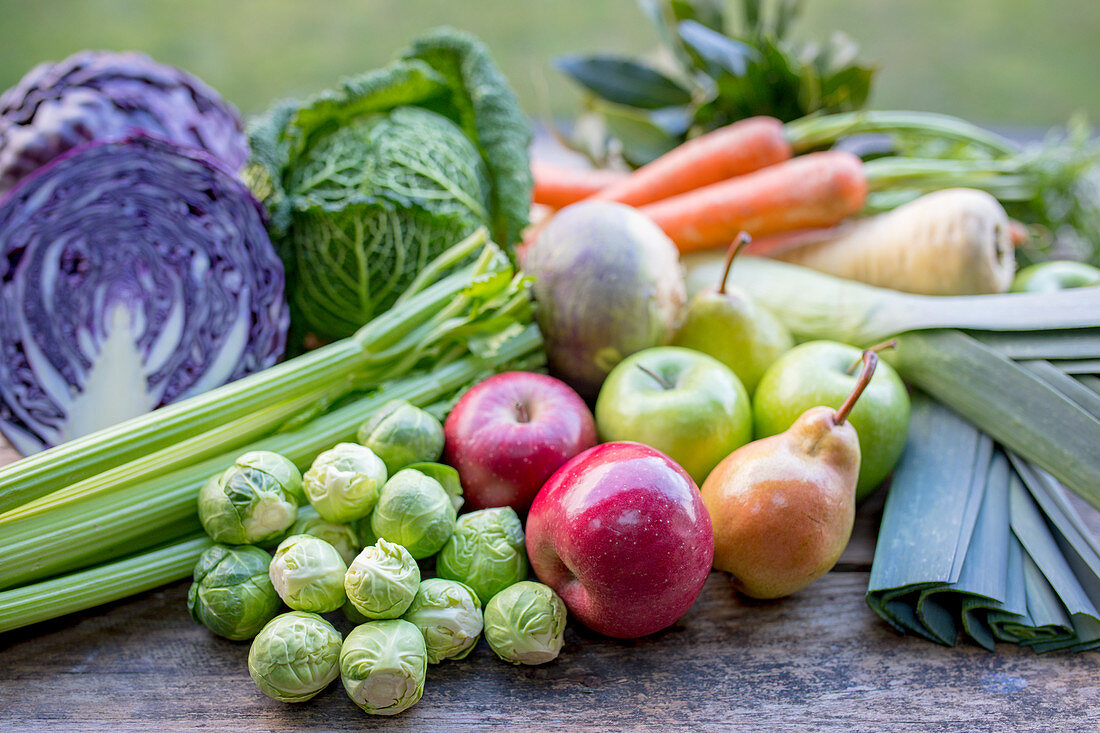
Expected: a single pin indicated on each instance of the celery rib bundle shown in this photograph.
(114, 513)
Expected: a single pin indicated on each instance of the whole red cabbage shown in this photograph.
(133, 273)
(107, 95)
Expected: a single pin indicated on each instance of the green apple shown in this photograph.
(1055, 275)
(824, 373)
(733, 328)
(681, 402)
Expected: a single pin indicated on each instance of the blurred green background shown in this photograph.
(1006, 62)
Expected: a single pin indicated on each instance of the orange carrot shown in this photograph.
(557, 186)
(1018, 233)
(743, 147)
(815, 190)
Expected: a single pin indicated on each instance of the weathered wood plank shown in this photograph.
(817, 660)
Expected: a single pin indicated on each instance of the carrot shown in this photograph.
(815, 190)
(745, 146)
(956, 241)
(1018, 232)
(558, 186)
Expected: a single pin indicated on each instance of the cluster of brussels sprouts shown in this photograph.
(348, 534)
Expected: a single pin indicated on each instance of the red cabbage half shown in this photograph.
(133, 273)
(105, 95)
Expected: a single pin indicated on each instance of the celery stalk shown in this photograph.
(102, 584)
(75, 531)
(328, 369)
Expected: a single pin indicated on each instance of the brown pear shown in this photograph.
(782, 507)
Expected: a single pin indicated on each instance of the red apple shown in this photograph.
(509, 433)
(622, 534)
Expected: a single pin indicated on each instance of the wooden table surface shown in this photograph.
(819, 660)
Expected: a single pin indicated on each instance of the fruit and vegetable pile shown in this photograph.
(306, 365)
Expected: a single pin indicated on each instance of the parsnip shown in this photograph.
(951, 242)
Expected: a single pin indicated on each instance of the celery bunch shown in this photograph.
(131, 489)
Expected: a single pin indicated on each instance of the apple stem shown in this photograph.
(521, 412)
(660, 380)
(742, 239)
(890, 344)
(870, 361)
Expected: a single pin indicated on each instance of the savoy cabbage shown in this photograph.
(368, 183)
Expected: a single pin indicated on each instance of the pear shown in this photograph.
(733, 328)
(782, 507)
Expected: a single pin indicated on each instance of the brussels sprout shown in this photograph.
(449, 616)
(525, 623)
(341, 536)
(447, 478)
(343, 482)
(486, 552)
(308, 574)
(383, 665)
(253, 501)
(400, 434)
(295, 656)
(232, 594)
(382, 581)
(415, 512)
(280, 468)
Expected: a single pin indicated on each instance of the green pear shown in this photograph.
(730, 326)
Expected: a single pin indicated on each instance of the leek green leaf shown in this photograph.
(1013, 405)
(1080, 343)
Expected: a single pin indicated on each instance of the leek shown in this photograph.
(816, 305)
(1029, 409)
(1023, 411)
(1091, 381)
(978, 541)
(969, 542)
(957, 458)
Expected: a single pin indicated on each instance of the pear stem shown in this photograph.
(660, 380)
(870, 361)
(891, 344)
(742, 239)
